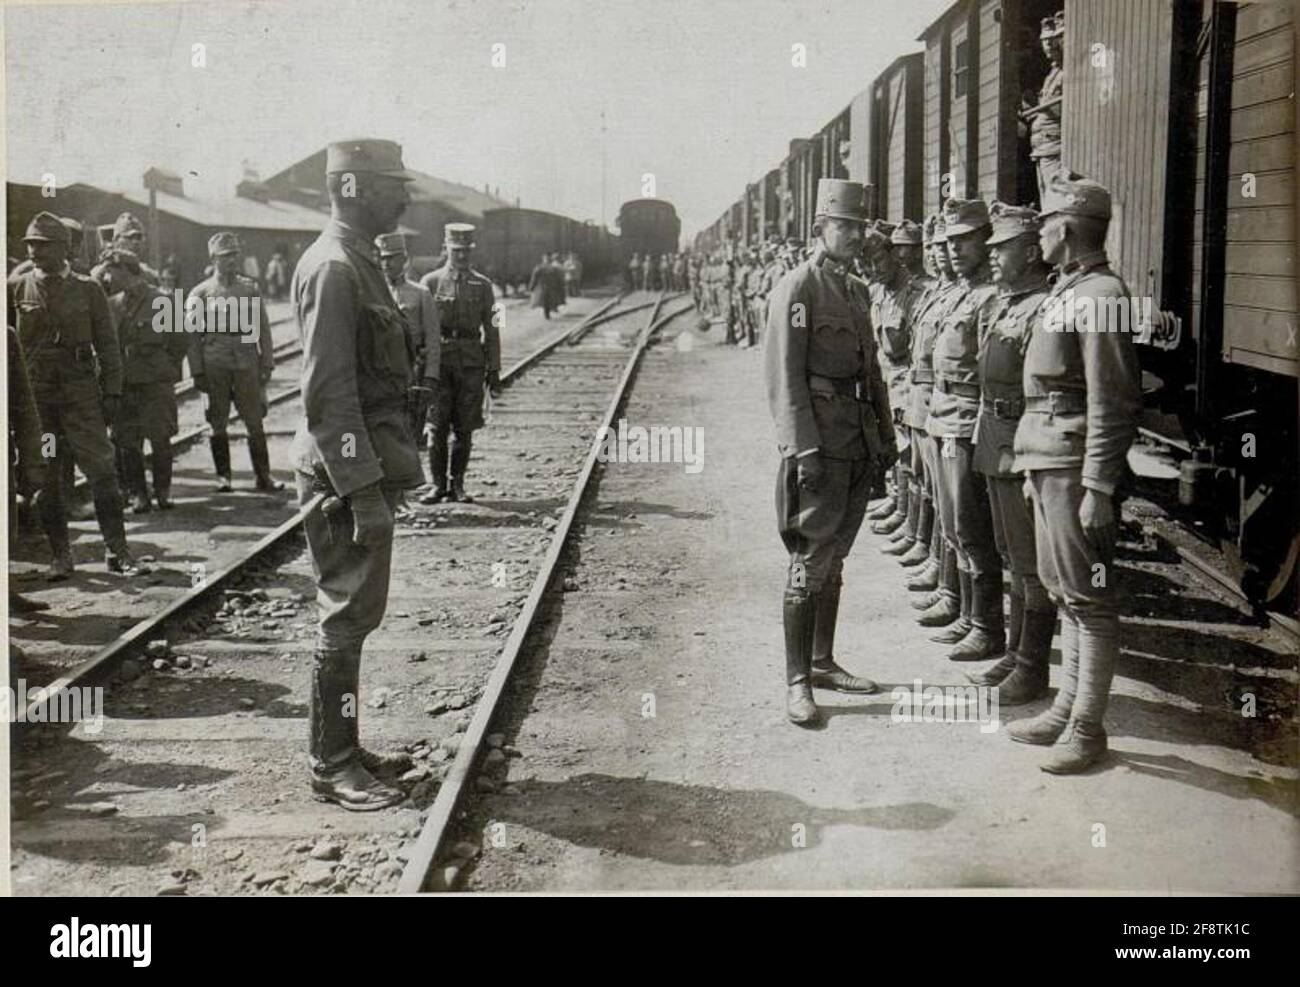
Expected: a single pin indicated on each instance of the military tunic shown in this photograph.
(826, 394)
(236, 361)
(424, 341)
(1045, 130)
(471, 346)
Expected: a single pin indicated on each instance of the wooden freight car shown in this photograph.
(888, 133)
(648, 226)
(512, 241)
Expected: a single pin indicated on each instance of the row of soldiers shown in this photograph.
(656, 272)
(975, 359)
(736, 291)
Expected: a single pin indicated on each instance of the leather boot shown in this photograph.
(1084, 747)
(136, 487)
(958, 630)
(1029, 680)
(947, 606)
(1045, 728)
(886, 508)
(261, 458)
(904, 544)
(337, 773)
(799, 612)
(61, 563)
(1007, 664)
(1086, 744)
(920, 550)
(826, 674)
(890, 524)
(926, 578)
(112, 526)
(987, 637)
(220, 446)
(460, 450)
(162, 477)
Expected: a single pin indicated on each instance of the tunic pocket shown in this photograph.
(834, 349)
(382, 346)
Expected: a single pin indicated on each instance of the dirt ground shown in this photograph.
(654, 753)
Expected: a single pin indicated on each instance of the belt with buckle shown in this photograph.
(1056, 403)
(1010, 408)
(960, 388)
(849, 387)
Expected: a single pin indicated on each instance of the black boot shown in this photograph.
(826, 674)
(135, 485)
(902, 546)
(947, 607)
(261, 458)
(337, 772)
(438, 467)
(162, 477)
(799, 612)
(220, 446)
(987, 636)
(55, 524)
(460, 450)
(1006, 665)
(920, 550)
(955, 632)
(108, 512)
(1029, 679)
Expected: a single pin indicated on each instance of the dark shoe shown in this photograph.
(954, 633)
(261, 459)
(224, 485)
(220, 446)
(980, 644)
(1029, 680)
(900, 547)
(435, 496)
(1085, 747)
(889, 525)
(124, 564)
(1042, 730)
(942, 613)
(164, 498)
(354, 788)
(917, 554)
(799, 705)
(387, 763)
(886, 508)
(1025, 684)
(268, 484)
(926, 580)
(994, 675)
(140, 502)
(926, 601)
(61, 567)
(828, 675)
(458, 493)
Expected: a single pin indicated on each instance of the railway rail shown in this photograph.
(561, 403)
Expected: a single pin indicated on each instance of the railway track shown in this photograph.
(530, 458)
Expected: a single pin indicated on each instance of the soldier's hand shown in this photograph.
(811, 472)
(889, 457)
(372, 519)
(1097, 515)
(201, 382)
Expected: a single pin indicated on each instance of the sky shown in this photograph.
(701, 95)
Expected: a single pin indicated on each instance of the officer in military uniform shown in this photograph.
(471, 350)
(941, 606)
(1044, 117)
(1082, 402)
(75, 366)
(151, 363)
(1021, 277)
(963, 496)
(834, 431)
(230, 361)
(354, 446)
(423, 334)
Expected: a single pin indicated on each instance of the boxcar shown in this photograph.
(649, 226)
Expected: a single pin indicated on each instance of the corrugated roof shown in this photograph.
(248, 214)
(460, 197)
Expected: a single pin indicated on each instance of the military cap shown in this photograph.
(1053, 26)
(964, 216)
(1069, 194)
(74, 227)
(1010, 222)
(127, 223)
(838, 198)
(48, 227)
(458, 234)
(874, 238)
(390, 244)
(885, 227)
(906, 232)
(224, 242)
(374, 156)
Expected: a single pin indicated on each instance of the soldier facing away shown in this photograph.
(834, 431)
(355, 448)
(471, 357)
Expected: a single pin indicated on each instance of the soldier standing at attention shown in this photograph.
(471, 351)
(353, 445)
(75, 367)
(423, 336)
(1082, 401)
(230, 361)
(26, 465)
(151, 366)
(954, 406)
(1021, 277)
(773, 272)
(833, 430)
(1045, 117)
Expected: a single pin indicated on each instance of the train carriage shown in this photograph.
(649, 226)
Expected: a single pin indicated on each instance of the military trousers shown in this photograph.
(244, 388)
(79, 429)
(818, 527)
(1013, 534)
(459, 405)
(147, 411)
(964, 507)
(1046, 168)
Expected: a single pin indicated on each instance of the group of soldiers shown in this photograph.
(551, 283)
(736, 290)
(656, 272)
(96, 379)
(974, 359)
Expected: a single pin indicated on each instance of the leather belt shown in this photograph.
(450, 333)
(1056, 403)
(1010, 408)
(922, 376)
(849, 387)
(961, 389)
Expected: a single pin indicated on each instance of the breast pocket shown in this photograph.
(382, 346)
(834, 349)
